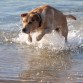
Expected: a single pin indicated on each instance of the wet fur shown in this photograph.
(44, 19)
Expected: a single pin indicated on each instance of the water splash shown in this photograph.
(54, 40)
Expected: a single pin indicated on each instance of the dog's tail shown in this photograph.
(71, 16)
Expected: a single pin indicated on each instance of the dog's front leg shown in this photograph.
(29, 38)
(39, 37)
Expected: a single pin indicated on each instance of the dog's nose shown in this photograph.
(24, 30)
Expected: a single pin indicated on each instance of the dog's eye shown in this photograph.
(30, 22)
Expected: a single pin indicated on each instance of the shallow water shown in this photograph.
(23, 63)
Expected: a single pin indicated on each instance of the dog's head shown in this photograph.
(31, 21)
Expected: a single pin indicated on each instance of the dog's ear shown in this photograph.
(24, 14)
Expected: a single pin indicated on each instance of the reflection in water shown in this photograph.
(46, 65)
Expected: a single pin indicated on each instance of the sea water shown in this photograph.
(47, 61)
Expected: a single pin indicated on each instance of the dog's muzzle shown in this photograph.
(25, 30)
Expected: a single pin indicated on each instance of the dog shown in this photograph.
(43, 20)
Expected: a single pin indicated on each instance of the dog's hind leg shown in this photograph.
(64, 33)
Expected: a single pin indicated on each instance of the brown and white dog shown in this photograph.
(43, 20)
